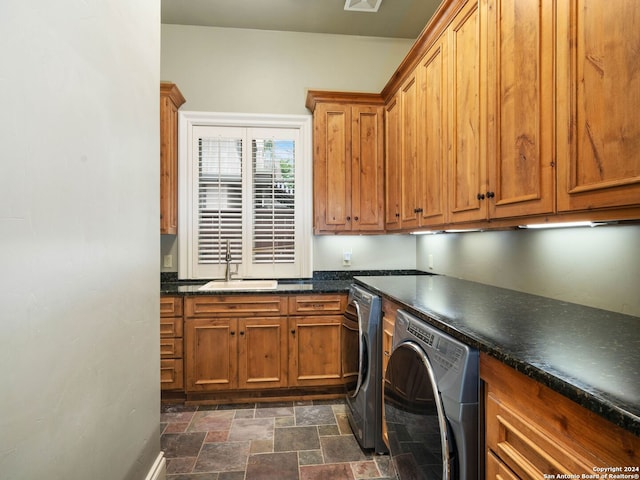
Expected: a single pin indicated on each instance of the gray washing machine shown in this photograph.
(430, 400)
(362, 366)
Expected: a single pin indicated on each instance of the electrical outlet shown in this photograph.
(346, 258)
(168, 261)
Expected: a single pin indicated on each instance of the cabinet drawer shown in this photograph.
(496, 470)
(317, 304)
(170, 306)
(235, 305)
(535, 431)
(171, 374)
(170, 327)
(526, 448)
(171, 348)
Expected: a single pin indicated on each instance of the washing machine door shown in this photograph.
(419, 440)
(354, 349)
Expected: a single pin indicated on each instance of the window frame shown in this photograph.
(187, 250)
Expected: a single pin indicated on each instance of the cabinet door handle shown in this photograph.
(491, 194)
(397, 215)
(480, 196)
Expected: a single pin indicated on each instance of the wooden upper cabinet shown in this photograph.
(392, 167)
(332, 167)
(467, 124)
(432, 143)
(367, 168)
(410, 184)
(521, 176)
(348, 167)
(423, 145)
(598, 104)
(170, 101)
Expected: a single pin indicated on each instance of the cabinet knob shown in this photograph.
(397, 215)
(480, 196)
(348, 219)
(241, 333)
(491, 194)
(355, 218)
(293, 332)
(232, 333)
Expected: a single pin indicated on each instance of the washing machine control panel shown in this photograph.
(445, 352)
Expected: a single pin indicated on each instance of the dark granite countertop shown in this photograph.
(589, 355)
(284, 286)
(322, 282)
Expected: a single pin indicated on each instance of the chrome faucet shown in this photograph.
(227, 258)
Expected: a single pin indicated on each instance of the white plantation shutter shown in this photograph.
(273, 208)
(244, 188)
(219, 197)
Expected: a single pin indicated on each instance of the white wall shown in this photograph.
(368, 252)
(79, 233)
(255, 71)
(599, 267)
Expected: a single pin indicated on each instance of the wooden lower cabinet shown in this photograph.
(498, 470)
(171, 344)
(532, 431)
(389, 310)
(249, 344)
(314, 354)
(211, 354)
(236, 353)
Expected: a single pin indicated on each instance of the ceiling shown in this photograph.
(394, 19)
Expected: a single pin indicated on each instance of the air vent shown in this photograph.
(362, 5)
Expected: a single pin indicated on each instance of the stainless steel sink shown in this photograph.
(217, 285)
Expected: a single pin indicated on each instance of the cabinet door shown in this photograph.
(409, 211)
(598, 103)
(432, 144)
(332, 167)
(211, 354)
(467, 174)
(170, 101)
(262, 355)
(367, 164)
(314, 353)
(392, 171)
(521, 155)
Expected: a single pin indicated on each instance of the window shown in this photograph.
(244, 185)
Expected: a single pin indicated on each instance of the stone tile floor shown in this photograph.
(265, 441)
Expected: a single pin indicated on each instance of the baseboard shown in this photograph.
(158, 469)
